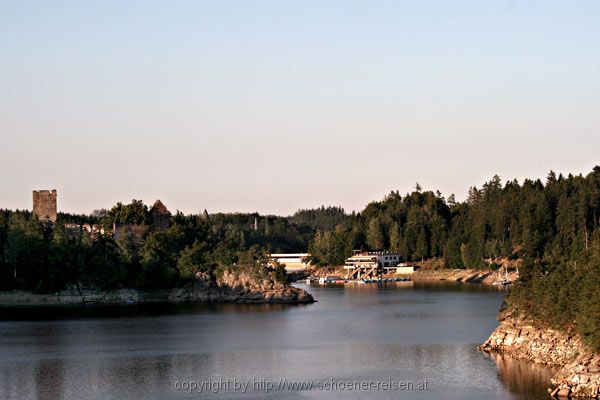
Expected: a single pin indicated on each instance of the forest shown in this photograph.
(551, 226)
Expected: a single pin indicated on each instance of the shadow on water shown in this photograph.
(64, 312)
(94, 311)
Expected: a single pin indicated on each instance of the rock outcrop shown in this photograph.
(520, 338)
(232, 287)
(246, 288)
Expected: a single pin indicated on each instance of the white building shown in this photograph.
(374, 259)
(291, 261)
(367, 263)
(404, 269)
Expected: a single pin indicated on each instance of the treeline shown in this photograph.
(272, 233)
(551, 221)
(551, 226)
(563, 296)
(322, 218)
(43, 257)
(415, 226)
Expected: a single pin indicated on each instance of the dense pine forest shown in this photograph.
(551, 226)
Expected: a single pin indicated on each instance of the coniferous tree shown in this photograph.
(375, 235)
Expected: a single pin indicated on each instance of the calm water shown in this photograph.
(363, 334)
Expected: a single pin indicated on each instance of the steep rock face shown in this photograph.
(520, 338)
(240, 287)
(248, 289)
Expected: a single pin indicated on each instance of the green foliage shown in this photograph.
(331, 247)
(195, 258)
(101, 265)
(553, 227)
(563, 297)
(45, 257)
(159, 256)
(135, 212)
(322, 218)
(276, 234)
(395, 237)
(280, 274)
(375, 235)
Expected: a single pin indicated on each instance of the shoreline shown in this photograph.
(426, 275)
(520, 338)
(465, 275)
(23, 299)
(482, 276)
(200, 291)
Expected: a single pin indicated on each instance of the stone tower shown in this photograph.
(44, 205)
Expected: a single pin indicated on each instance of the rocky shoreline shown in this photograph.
(484, 276)
(520, 338)
(230, 288)
(428, 275)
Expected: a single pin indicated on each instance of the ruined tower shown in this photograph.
(44, 205)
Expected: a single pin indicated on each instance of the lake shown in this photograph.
(398, 340)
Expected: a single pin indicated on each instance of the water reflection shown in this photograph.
(524, 377)
(49, 313)
(49, 379)
(371, 332)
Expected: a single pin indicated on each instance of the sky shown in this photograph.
(272, 106)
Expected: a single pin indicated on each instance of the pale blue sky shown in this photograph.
(271, 106)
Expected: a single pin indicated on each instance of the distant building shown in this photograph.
(374, 259)
(291, 261)
(368, 263)
(161, 217)
(44, 205)
(404, 269)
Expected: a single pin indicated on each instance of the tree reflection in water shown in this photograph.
(522, 376)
